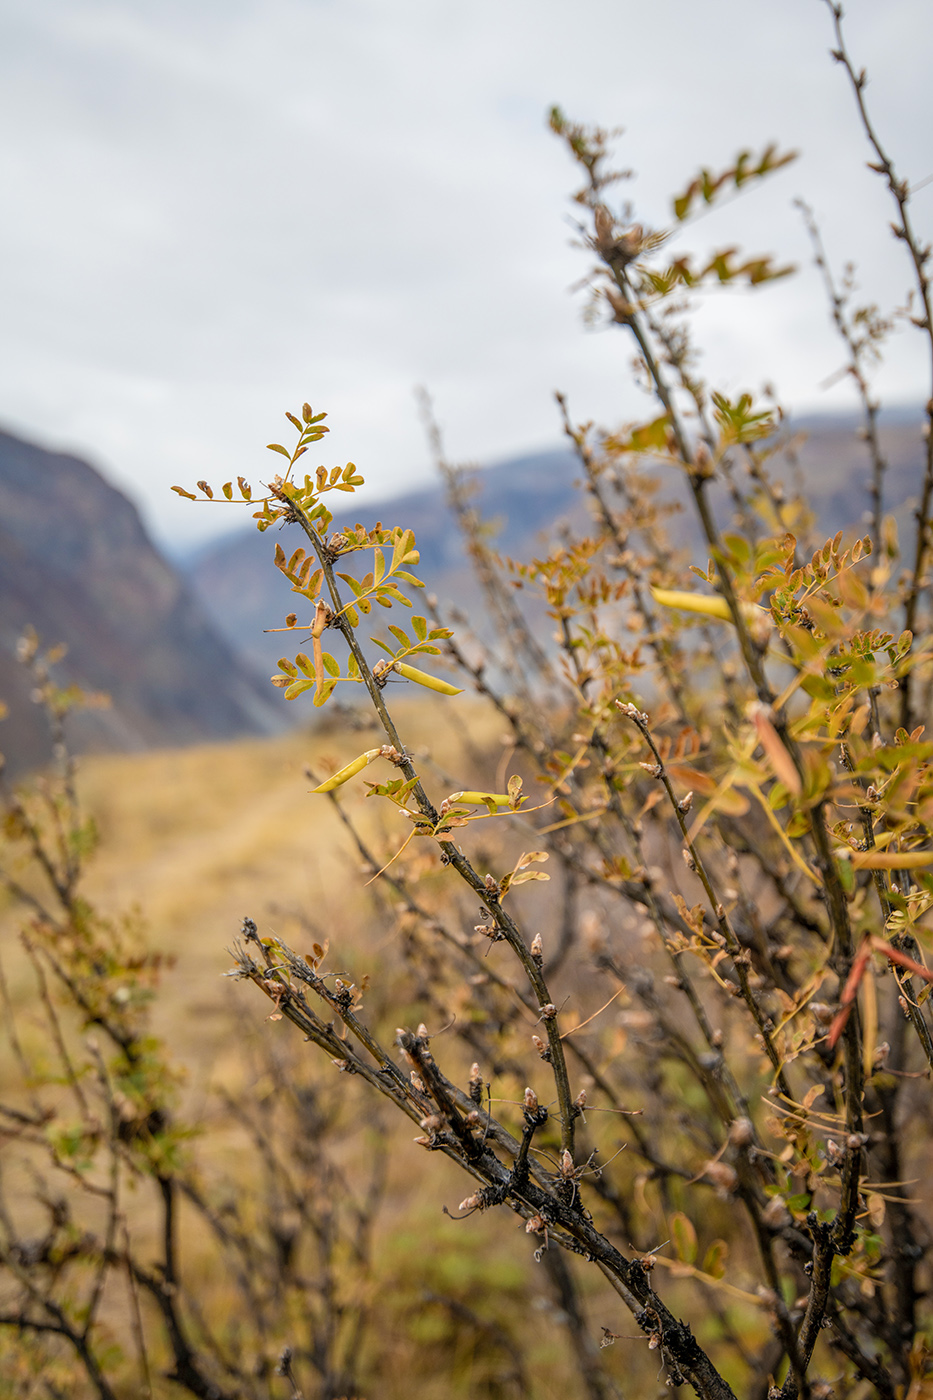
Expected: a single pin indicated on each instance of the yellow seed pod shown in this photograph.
(478, 799)
(889, 860)
(710, 605)
(411, 673)
(350, 771)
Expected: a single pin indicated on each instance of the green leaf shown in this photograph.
(714, 1262)
(684, 1236)
(419, 626)
(846, 875)
(400, 636)
(330, 665)
(277, 447)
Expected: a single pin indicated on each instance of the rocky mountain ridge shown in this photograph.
(77, 565)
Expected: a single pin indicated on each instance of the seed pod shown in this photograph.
(480, 799)
(350, 771)
(706, 604)
(411, 673)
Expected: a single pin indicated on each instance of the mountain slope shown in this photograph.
(524, 498)
(77, 565)
(528, 499)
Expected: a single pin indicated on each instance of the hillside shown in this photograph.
(182, 652)
(77, 565)
(524, 499)
(528, 500)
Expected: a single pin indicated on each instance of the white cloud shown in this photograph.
(218, 209)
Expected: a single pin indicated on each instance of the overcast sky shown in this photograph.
(215, 209)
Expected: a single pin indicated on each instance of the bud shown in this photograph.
(722, 1176)
(536, 1225)
(566, 1164)
(689, 862)
(474, 1202)
(531, 1101)
(548, 1012)
(685, 803)
(775, 1214)
(580, 1100)
(537, 948)
(741, 1132)
(542, 1047)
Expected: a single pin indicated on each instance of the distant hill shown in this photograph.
(182, 650)
(529, 499)
(525, 498)
(78, 566)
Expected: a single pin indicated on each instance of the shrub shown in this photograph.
(726, 780)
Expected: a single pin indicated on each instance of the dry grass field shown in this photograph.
(192, 840)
